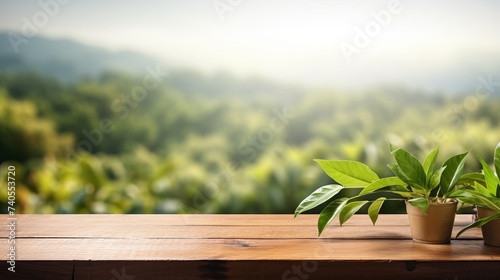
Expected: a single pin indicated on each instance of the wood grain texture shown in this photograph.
(237, 247)
(214, 226)
(251, 249)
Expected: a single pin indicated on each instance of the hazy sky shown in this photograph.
(304, 41)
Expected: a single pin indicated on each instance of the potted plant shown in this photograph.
(485, 194)
(426, 191)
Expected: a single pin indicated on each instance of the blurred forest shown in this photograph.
(83, 147)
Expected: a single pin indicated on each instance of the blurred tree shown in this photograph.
(25, 136)
(211, 147)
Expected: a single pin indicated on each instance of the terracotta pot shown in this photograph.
(436, 226)
(491, 230)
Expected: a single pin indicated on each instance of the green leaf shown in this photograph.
(348, 173)
(477, 198)
(374, 209)
(497, 167)
(489, 177)
(480, 188)
(436, 178)
(479, 223)
(402, 191)
(496, 159)
(421, 203)
(410, 166)
(392, 148)
(407, 194)
(350, 209)
(330, 212)
(403, 188)
(471, 178)
(399, 173)
(318, 197)
(382, 183)
(429, 162)
(498, 191)
(453, 172)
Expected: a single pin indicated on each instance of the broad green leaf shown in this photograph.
(496, 159)
(479, 223)
(420, 192)
(403, 188)
(436, 178)
(400, 174)
(348, 173)
(489, 177)
(471, 178)
(330, 212)
(421, 203)
(318, 197)
(350, 209)
(429, 162)
(462, 193)
(491, 202)
(477, 198)
(480, 188)
(402, 191)
(374, 209)
(382, 183)
(453, 172)
(407, 194)
(410, 166)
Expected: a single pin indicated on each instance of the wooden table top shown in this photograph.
(216, 240)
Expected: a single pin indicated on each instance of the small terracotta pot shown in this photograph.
(436, 226)
(491, 230)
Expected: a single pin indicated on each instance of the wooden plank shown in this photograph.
(169, 226)
(286, 270)
(237, 247)
(210, 220)
(251, 249)
(254, 232)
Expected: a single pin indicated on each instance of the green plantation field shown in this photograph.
(117, 144)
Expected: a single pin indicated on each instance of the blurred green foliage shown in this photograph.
(81, 148)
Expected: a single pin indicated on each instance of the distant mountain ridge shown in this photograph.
(67, 60)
